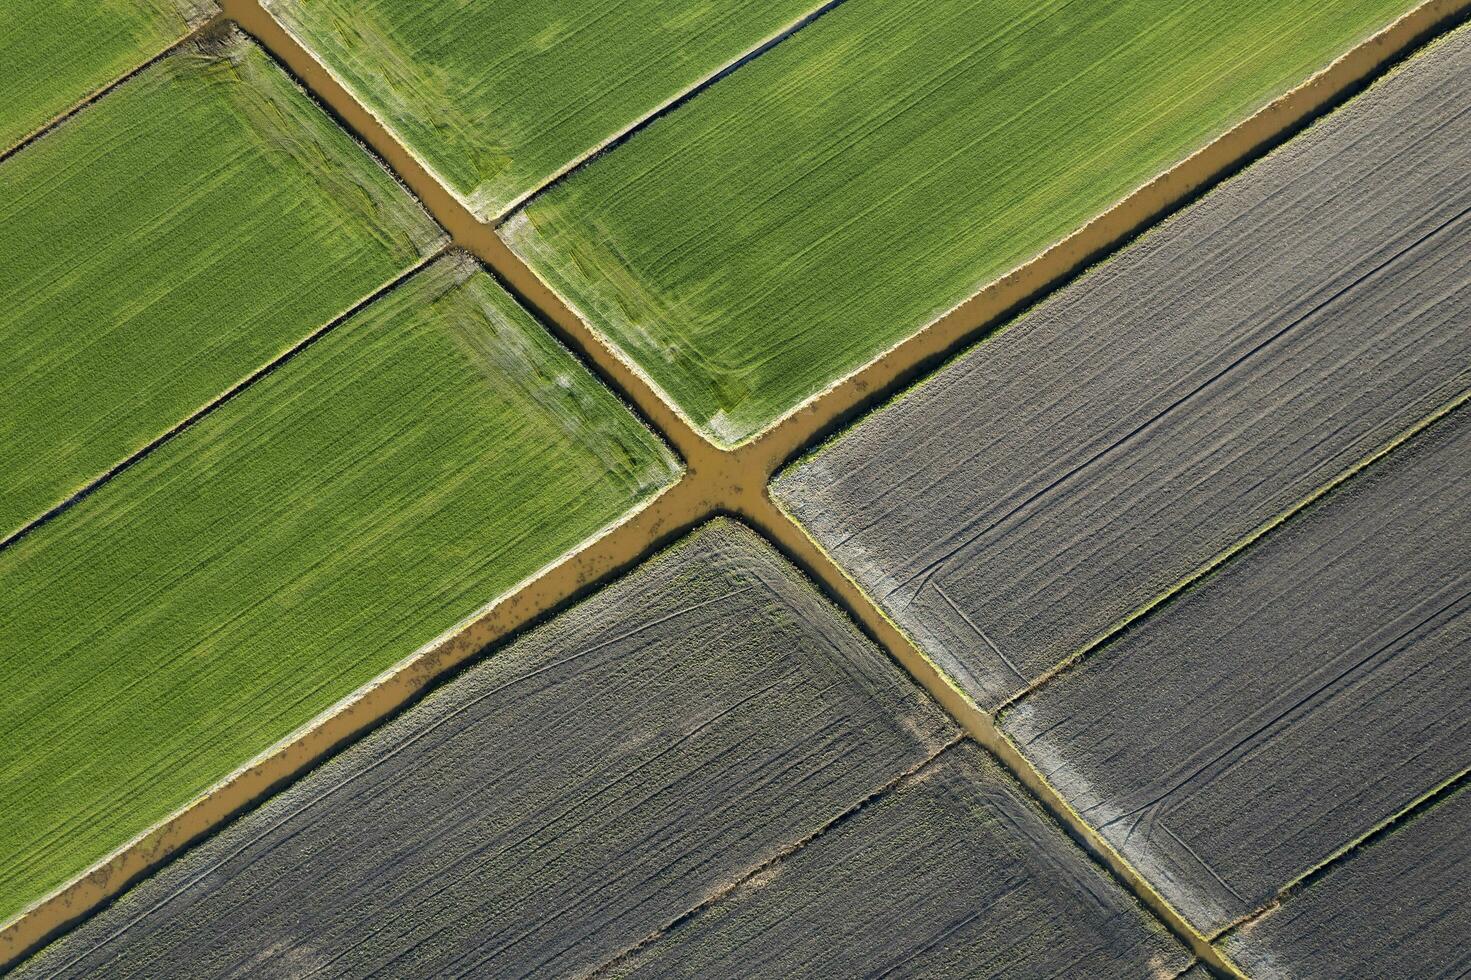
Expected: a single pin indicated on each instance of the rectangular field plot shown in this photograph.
(499, 96)
(955, 873)
(1063, 474)
(411, 466)
(55, 53)
(165, 242)
(1315, 686)
(1395, 908)
(576, 791)
(856, 181)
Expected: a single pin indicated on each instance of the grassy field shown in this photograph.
(856, 181)
(409, 467)
(57, 52)
(498, 96)
(554, 804)
(164, 243)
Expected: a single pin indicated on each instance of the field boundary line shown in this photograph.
(1242, 544)
(198, 30)
(616, 549)
(465, 229)
(217, 402)
(799, 547)
(1258, 134)
(623, 135)
(604, 145)
(716, 481)
(1368, 838)
(786, 853)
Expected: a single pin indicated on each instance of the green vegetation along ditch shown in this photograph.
(412, 465)
(866, 175)
(500, 95)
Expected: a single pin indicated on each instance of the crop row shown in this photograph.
(264, 439)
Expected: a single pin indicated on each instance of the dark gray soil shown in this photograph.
(1312, 688)
(564, 799)
(953, 874)
(1013, 508)
(1400, 907)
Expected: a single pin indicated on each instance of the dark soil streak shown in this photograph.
(950, 871)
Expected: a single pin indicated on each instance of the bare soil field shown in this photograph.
(1312, 688)
(417, 556)
(953, 873)
(1395, 908)
(1018, 504)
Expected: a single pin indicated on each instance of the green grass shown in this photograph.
(416, 462)
(164, 243)
(55, 53)
(838, 193)
(499, 95)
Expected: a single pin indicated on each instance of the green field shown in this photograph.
(836, 194)
(55, 53)
(412, 465)
(164, 243)
(499, 95)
